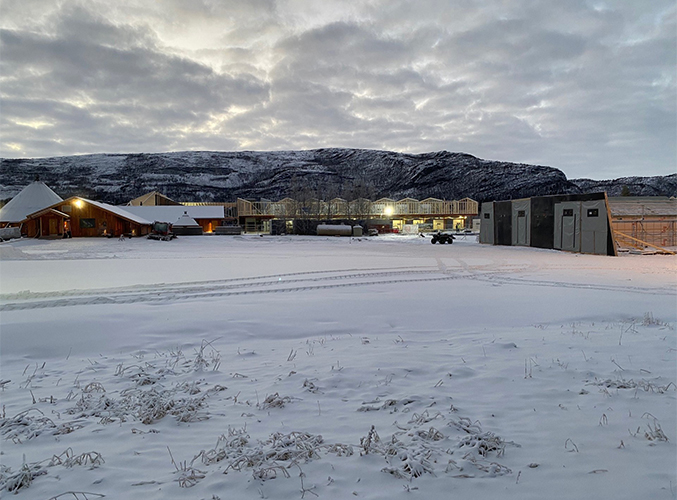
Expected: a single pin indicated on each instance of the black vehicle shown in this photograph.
(442, 238)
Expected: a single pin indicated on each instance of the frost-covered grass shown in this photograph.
(334, 368)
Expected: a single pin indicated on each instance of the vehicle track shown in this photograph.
(165, 296)
(499, 277)
(495, 278)
(287, 283)
(187, 286)
(162, 292)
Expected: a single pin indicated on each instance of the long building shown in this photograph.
(385, 214)
(39, 212)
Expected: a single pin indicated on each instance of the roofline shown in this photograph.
(39, 213)
(91, 202)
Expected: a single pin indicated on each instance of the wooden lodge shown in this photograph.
(77, 217)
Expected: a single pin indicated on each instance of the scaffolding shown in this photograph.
(645, 223)
(646, 233)
(338, 208)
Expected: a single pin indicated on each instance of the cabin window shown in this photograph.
(88, 223)
(521, 213)
(568, 212)
(66, 208)
(593, 212)
(487, 215)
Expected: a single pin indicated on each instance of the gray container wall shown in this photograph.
(487, 223)
(539, 213)
(503, 223)
(594, 227)
(521, 222)
(567, 234)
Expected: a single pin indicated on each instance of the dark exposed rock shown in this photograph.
(323, 173)
(632, 186)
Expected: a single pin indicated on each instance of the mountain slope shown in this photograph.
(323, 173)
(632, 186)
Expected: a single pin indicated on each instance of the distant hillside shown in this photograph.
(323, 173)
(632, 186)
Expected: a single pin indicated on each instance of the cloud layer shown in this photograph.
(588, 87)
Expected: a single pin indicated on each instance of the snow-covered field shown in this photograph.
(300, 367)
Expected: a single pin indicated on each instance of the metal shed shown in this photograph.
(573, 222)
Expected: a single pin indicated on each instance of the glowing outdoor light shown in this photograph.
(388, 211)
(79, 203)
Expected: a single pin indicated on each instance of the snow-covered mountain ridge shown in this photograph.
(323, 173)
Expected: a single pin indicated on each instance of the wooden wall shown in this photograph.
(89, 220)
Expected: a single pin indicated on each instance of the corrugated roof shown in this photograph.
(170, 213)
(36, 196)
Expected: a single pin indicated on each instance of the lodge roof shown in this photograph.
(120, 212)
(36, 196)
(168, 213)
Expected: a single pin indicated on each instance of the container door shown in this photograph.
(521, 227)
(487, 223)
(594, 227)
(568, 226)
(521, 221)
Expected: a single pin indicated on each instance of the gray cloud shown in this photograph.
(588, 88)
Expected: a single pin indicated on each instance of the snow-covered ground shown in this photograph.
(296, 367)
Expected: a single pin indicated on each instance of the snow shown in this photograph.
(501, 372)
(122, 212)
(34, 197)
(169, 213)
(186, 221)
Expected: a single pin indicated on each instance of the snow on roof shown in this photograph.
(186, 221)
(124, 213)
(168, 213)
(36, 196)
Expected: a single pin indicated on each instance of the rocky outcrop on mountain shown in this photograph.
(632, 186)
(321, 173)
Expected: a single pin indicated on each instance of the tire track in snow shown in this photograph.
(300, 281)
(505, 280)
(141, 288)
(498, 277)
(164, 296)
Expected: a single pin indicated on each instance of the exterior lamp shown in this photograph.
(78, 203)
(388, 211)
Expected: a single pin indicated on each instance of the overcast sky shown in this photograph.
(585, 86)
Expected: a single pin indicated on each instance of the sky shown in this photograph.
(588, 87)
